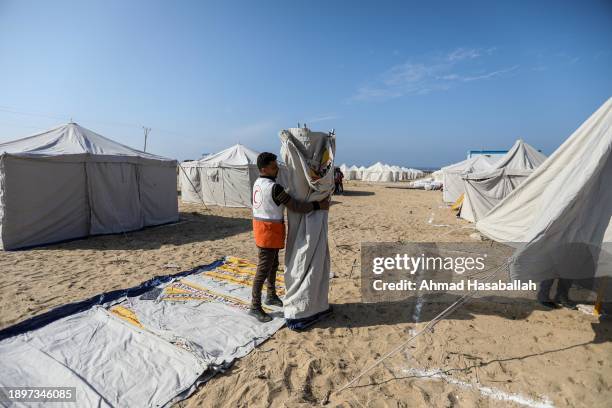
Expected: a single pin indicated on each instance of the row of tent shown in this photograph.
(478, 184)
(226, 178)
(556, 211)
(380, 172)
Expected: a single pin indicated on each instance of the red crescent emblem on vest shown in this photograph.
(257, 197)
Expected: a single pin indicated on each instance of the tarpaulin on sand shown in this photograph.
(174, 331)
(309, 157)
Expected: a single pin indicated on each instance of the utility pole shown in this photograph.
(146, 134)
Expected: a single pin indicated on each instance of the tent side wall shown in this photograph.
(191, 188)
(237, 186)
(44, 202)
(158, 194)
(453, 186)
(114, 198)
(127, 197)
(47, 200)
(223, 186)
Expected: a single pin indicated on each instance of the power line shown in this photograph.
(63, 118)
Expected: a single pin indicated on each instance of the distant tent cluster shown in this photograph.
(380, 172)
(70, 182)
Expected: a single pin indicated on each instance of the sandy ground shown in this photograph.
(489, 353)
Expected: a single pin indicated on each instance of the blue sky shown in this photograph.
(408, 83)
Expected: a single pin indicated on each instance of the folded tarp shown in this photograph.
(175, 331)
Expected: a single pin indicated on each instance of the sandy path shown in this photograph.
(491, 353)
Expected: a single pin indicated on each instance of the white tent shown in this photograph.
(225, 178)
(415, 174)
(484, 190)
(352, 173)
(567, 199)
(360, 172)
(378, 172)
(344, 169)
(452, 175)
(438, 175)
(70, 182)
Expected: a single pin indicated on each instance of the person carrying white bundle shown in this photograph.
(269, 202)
(309, 157)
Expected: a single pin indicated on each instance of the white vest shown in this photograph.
(264, 207)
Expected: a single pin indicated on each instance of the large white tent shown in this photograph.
(70, 182)
(483, 190)
(564, 201)
(452, 175)
(225, 178)
(378, 172)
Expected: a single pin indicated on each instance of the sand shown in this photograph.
(489, 353)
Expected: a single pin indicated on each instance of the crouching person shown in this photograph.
(269, 202)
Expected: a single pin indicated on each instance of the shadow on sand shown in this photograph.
(356, 193)
(191, 227)
(355, 315)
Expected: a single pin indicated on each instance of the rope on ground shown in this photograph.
(454, 306)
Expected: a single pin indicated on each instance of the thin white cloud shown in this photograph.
(254, 131)
(437, 73)
(462, 53)
(489, 75)
(323, 118)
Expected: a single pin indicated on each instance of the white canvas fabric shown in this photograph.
(71, 182)
(438, 176)
(352, 173)
(225, 178)
(309, 158)
(452, 175)
(360, 172)
(483, 190)
(564, 201)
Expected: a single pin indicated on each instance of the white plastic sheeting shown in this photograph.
(174, 334)
(309, 158)
(483, 190)
(70, 182)
(564, 201)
